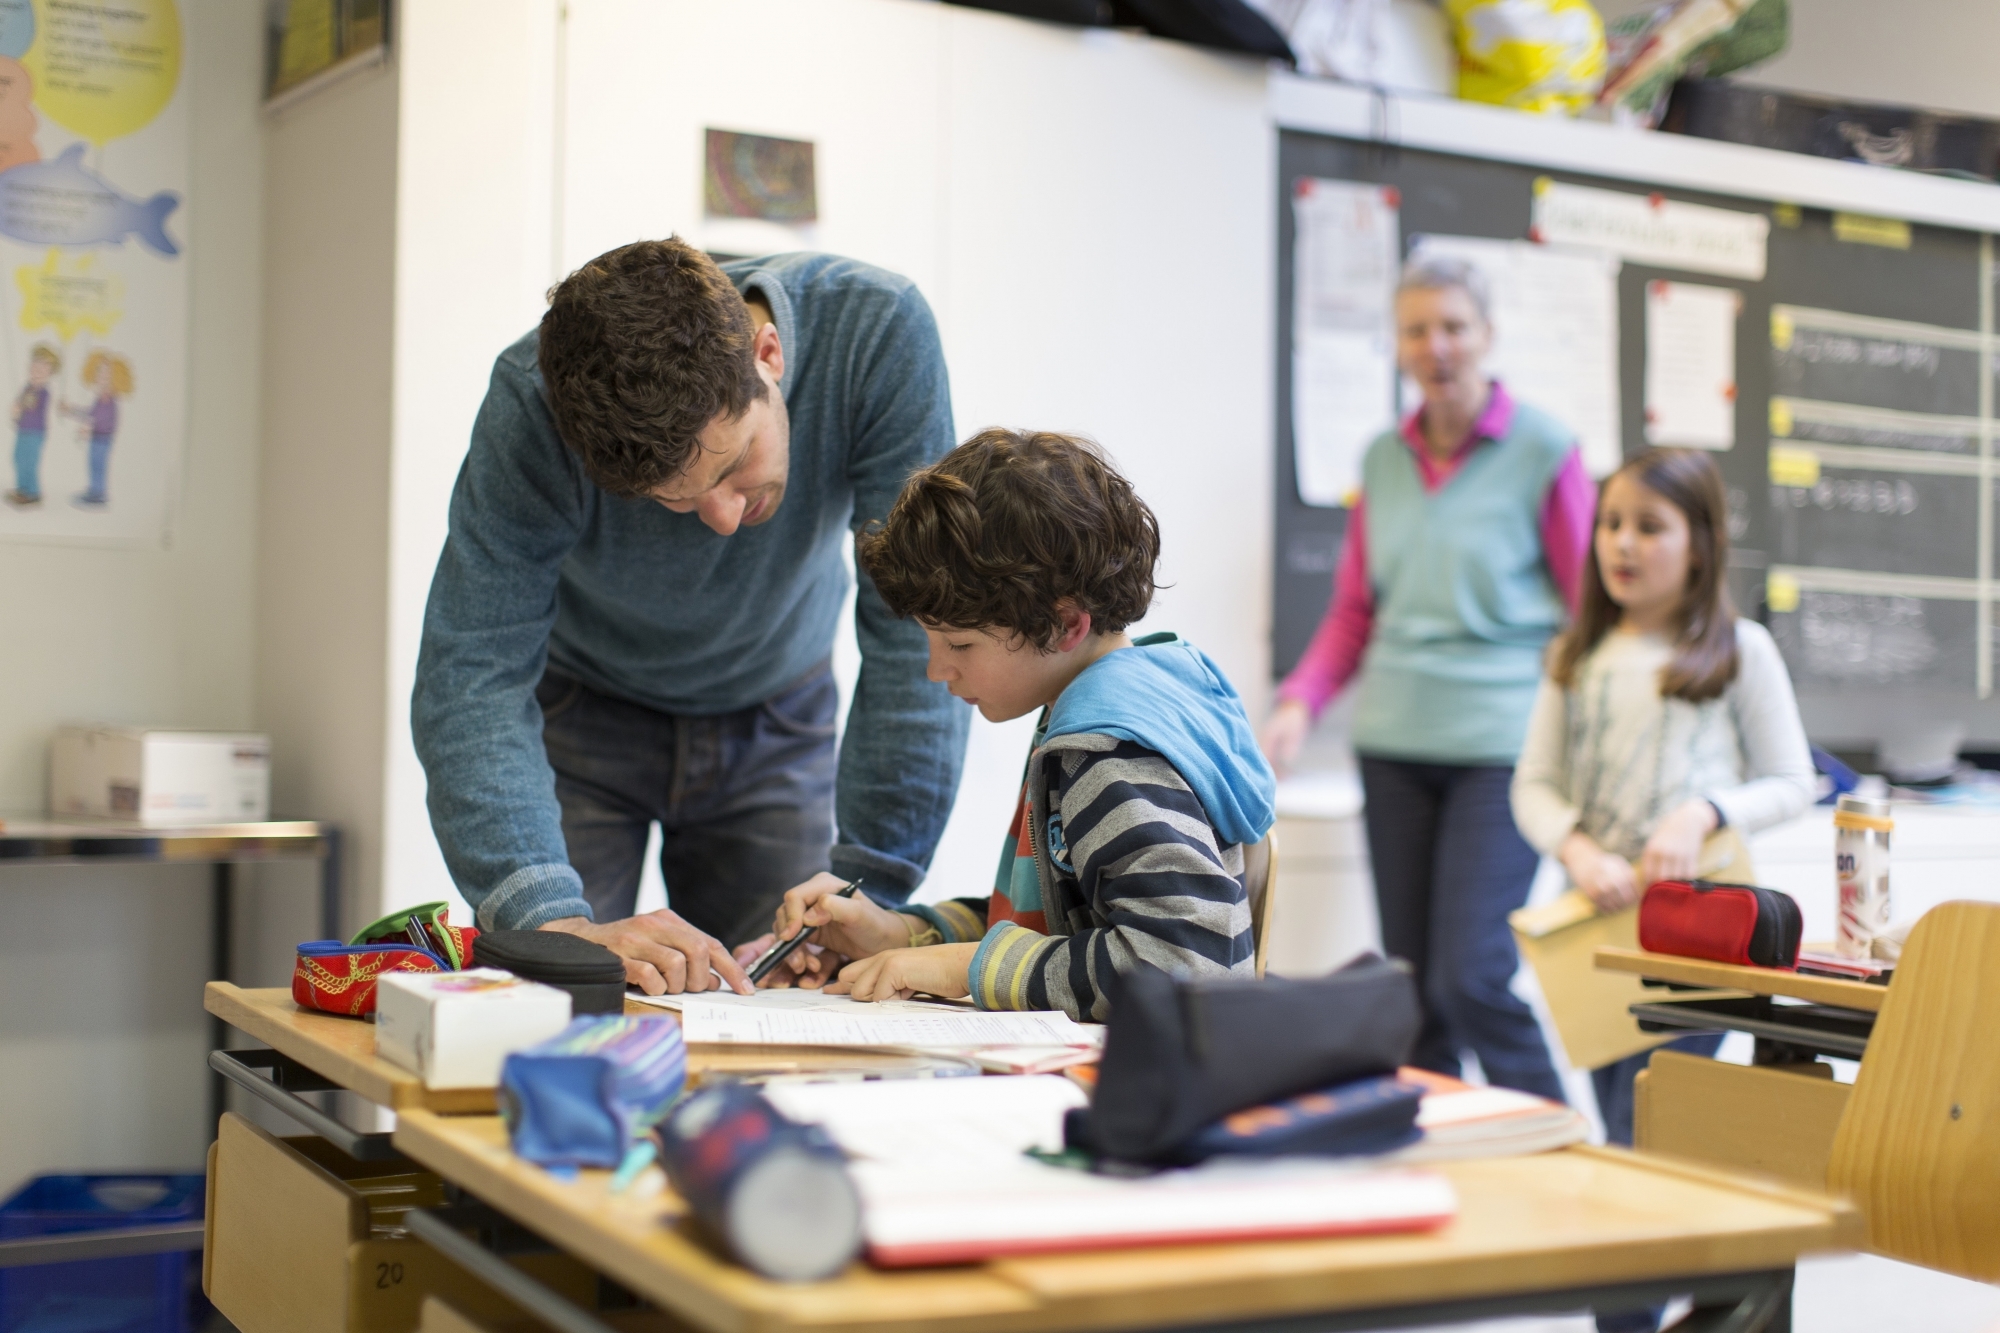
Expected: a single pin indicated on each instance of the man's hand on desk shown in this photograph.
(663, 954)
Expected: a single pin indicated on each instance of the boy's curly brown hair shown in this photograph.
(640, 349)
(1002, 529)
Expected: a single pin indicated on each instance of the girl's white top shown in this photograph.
(1611, 757)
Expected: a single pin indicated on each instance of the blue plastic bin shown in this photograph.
(147, 1293)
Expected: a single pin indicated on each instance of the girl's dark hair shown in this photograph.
(1705, 658)
(1003, 528)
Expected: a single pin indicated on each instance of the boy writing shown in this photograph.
(1024, 557)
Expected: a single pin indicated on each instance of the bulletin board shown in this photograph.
(1860, 464)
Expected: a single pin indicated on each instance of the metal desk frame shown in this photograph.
(79, 842)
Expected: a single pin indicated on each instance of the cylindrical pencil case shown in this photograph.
(587, 1094)
(592, 974)
(773, 1192)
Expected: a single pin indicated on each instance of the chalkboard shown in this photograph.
(1854, 484)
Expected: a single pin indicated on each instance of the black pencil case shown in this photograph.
(1181, 1054)
(592, 974)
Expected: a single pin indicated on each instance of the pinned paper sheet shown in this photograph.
(1792, 466)
(1691, 365)
(1555, 323)
(1344, 262)
(1652, 229)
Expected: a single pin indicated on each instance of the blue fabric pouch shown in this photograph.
(1371, 1115)
(587, 1094)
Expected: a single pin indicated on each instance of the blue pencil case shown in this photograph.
(587, 1094)
(1370, 1115)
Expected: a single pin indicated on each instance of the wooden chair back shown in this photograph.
(1918, 1147)
(1260, 879)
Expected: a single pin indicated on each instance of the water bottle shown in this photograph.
(1861, 828)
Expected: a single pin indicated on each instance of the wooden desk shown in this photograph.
(1755, 980)
(1776, 1116)
(342, 1050)
(1571, 1221)
(1543, 1232)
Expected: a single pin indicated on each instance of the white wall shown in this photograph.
(476, 157)
(322, 559)
(1935, 53)
(101, 1029)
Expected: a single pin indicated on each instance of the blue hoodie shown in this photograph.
(1165, 694)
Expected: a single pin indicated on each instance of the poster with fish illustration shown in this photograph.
(93, 270)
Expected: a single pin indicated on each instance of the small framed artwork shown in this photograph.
(311, 43)
(759, 177)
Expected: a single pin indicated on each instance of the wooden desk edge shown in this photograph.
(369, 1078)
(718, 1296)
(705, 1289)
(1756, 980)
(1850, 1228)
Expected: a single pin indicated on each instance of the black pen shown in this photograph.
(762, 967)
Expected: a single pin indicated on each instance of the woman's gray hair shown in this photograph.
(1430, 273)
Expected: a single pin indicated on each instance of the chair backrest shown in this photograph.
(1260, 880)
(1918, 1147)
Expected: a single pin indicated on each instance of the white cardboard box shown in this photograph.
(453, 1029)
(159, 776)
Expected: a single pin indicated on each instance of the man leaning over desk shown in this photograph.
(633, 617)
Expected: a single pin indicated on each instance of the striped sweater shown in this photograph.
(1127, 870)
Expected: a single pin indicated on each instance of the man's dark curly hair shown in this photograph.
(641, 348)
(1001, 529)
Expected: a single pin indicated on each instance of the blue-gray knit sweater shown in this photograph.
(651, 606)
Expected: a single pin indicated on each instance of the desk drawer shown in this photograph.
(290, 1250)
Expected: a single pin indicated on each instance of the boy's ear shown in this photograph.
(1076, 623)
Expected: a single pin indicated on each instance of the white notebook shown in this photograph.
(943, 1178)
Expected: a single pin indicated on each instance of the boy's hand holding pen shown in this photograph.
(843, 923)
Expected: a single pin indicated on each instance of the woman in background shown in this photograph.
(1663, 717)
(1460, 560)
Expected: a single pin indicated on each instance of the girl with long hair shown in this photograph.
(1663, 716)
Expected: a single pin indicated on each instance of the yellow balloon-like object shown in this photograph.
(70, 296)
(104, 68)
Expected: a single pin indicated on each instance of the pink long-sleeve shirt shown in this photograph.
(1568, 513)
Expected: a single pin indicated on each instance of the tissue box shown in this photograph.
(453, 1029)
(161, 777)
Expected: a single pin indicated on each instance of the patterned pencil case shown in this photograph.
(585, 1096)
(425, 926)
(339, 978)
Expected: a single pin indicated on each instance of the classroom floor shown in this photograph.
(1846, 1293)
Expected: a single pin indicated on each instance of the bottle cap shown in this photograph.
(1871, 806)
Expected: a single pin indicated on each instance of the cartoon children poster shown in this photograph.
(93, 324)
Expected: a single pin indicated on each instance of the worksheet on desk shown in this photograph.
(813, 1018)
(799, 1000)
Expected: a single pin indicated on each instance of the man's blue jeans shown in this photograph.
(744, 800)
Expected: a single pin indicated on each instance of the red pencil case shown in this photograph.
(1724, 923)
(339, 978)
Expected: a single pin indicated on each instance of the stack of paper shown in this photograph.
(943, 1179)
(1461, 1122)
(1015, 1042)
